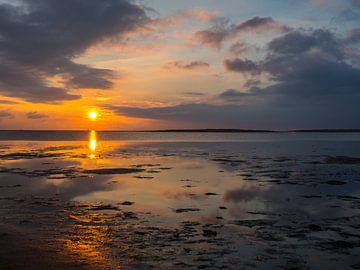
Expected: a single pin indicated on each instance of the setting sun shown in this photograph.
(93, 115)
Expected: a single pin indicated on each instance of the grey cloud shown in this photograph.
(306, 64)
(317, 67)
(233, 93)
(297, 42)
(309, 76)
(242, 66)
(184, 65)
(194, 93)
(255, 22)
(41, 38)
(214, 36)
(81, 76)
(268, 114)
(252, 82)
(178, 112)
(239, 48)
(236, 95)
(221, 30)
(261, 23)
(326, 83)
(294, 42)
(26, 83)
(297, 70)
(36, 115)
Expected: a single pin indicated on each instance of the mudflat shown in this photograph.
(161, 205)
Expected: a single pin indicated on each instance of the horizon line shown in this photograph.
(209, 130)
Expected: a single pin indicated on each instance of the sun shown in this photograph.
(93, 115)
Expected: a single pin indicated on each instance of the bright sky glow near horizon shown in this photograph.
(158, 64)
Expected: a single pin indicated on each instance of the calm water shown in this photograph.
(269, 199)
(176, 136)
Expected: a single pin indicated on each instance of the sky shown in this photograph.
(175, 64)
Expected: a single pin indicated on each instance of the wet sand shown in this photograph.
(21, 251)
(233, 205)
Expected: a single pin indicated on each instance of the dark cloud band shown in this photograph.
(40, 38)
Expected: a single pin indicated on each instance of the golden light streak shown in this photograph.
(92, 143)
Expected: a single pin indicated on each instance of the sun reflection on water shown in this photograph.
(86, 240)
(92, 143)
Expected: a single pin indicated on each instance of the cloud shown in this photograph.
(221, 30)
(317, 66)
(262, 114)
(3, 101)
(234, 94)
(186, 66)
(209, 115)
(308, 85)
(261, 24)
(40, 40)
(36, 115)
(214, 36)
(295, 78)
(239, 48)
(297, 42)
(303, 64)
(252, 82)
(22, 82)
(242, 66)
(6, 114)
(194, 93)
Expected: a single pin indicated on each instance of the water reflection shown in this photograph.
(85, 240)
(92, 144)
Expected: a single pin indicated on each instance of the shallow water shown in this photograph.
(251, 201)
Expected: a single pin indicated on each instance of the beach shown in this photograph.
(96, 200)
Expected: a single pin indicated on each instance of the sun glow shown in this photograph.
(93, 115)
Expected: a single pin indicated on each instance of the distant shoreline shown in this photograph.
(204, 130)
(255, 130)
